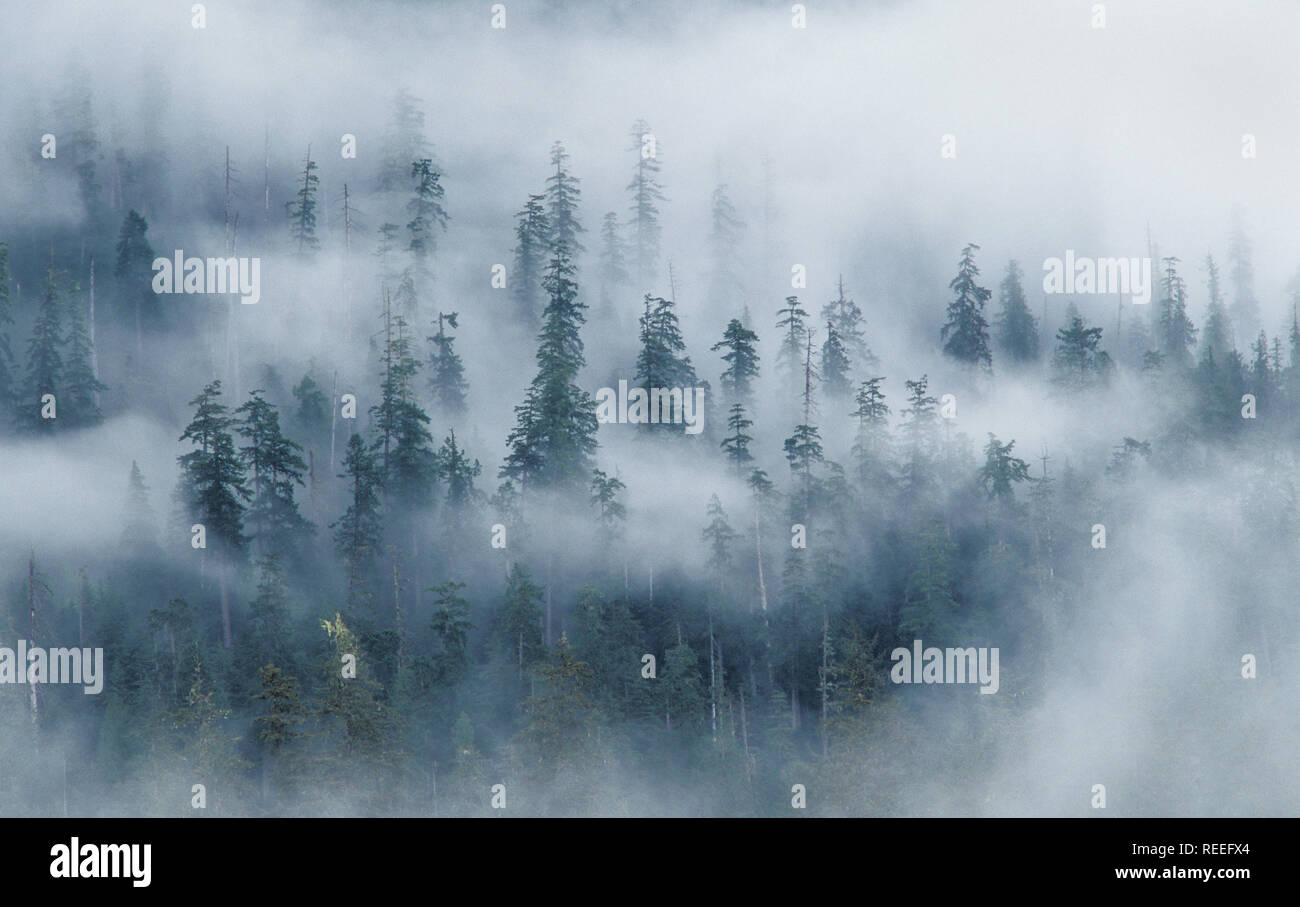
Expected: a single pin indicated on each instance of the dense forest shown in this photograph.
(338, 454)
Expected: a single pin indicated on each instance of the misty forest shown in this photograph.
(330, 338)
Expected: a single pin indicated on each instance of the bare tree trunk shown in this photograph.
(225, 603)
(758, 551)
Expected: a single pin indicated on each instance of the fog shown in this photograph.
(870, 146)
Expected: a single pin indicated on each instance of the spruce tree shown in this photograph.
(403, 141)
(1078, 364)
(742, 361)
(212, 475)
(358, 534)
(736, 444)
(662, 362)
(81, 386)
(1241, 272)
(965, 334)
(613, 260)
(1177, 335)
(646, 194)
(446, 371)
(555, 433)
(402, 442)
(275, 467)
(518, 625)
(835, 365)
(9, 392)
(1016, 327)
(790, 358)
(139, 529)
(562, 198)
(426, 210)
(44, 359)
(133, 269)
(458, 472)
(302, 209)
(1216, 338)
(718, 536)
(848, 320)
(532, 235)
(1001, 471)
(724, 250)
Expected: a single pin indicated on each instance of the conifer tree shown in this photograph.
(1001, 470)
(426, 210)
(790, 358)
(847, 317)
(81, 386)
(724, 249)
(139, 529)
(562, 198)
(1177, 335)
(871, 444)
(965, 334)
(519, 622)
(403, 141)
(275, 465)
(446, 370)
(358, 534)
(1241, 271)
(646, 194)
(302, 209)
(835, 365)
(662, 362)
(402, 442)
(1078, 363)
(742, 361)
(532, 234)
(736, 444)
(45, 374)
(718, 535)
(921, 433)
(458, 472)
(613, 260)
(1217, 335)
(9, 392)
(555, 432)
(1016, 327)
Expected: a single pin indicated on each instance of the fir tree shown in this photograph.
(1001, 470)
(613, 259)
(426, 210)
(718, 535)
(275, 464)
(519, 622)
(302, 210)
(1078, 363)
(736, 444)
(562, 198)
(140, 529)
(847, 318)
(212, 475)
(9, 392)
(646, 193)
(446, 371)
(358, 534)
(742, 361)
(81, 386)
(604, 495)
(662, 362)
(1177, 335)
(402, 442)
(1017, 329)
(456, 469)
(44, 359)
(555, 433)
(835, 365)
(1216, 338)
(789, 358)
(965, 333)
(724, 248)
(403, 141)
(1241, 271)
(532, 233)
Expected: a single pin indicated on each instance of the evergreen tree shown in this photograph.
(1241, 271)
(736, 444)
(426, 211)
(1001, 470)
(451, 628)
(562, 198)
(1177, 335)
(519, 622)
(646, 193)
(790, 358)
(871, 444)
(965, 333)
(929, 604)
(1017, 329)
(1216, 338)
(835, 365)
(724, 248)
(742, 361)
(313, 406)
(662, 362)
(402, 442)
(604, 495)
(44, 359)
(81, 386)
(403, 141)
(9, 392)
(275, 464)
(455, 468)
(1078, 363)
(533, 233)
(358, 534)
(139, 530)
(302, 210)
(613, 259)
(718, 535)
(555, 433)
(846, 316)
(446, 371)
(212, 475)
(921, 432)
